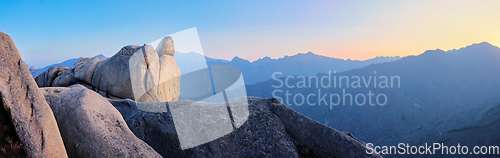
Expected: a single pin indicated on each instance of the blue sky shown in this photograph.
(47, 32)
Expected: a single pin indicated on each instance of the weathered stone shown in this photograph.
(30, 114)
(144, 72)
(84, 68)
(310, 135)
(91, 127)
(166, 47)
(65, 78)
(136, 72)
(46, 78)
(170, 78)
(270, 131)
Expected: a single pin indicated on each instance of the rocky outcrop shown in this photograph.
(110, 75)
(136, 72)
(65, 78)
(21, 99)
(272, 130)
(91, 127)
(60, 76)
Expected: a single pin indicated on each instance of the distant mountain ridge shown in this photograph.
(440, 91)
(299, 64)
(262, 69)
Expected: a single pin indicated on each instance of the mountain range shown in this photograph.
(262, 69)
(439, 91)
(299, 64)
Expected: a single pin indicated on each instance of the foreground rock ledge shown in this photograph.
(30, 114)
(272, 130)
(91, 127)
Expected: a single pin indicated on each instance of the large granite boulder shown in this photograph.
(22, 101)
(272, 130)
(141, 73)
(84, 68)
(91, 127)
(169, 71)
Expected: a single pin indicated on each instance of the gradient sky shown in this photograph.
(48, 32)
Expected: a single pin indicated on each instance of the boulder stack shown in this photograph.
(139, 73)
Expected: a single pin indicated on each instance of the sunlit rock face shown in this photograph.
(23, 108)
(140, 73)
(154, 74)
(91, 127)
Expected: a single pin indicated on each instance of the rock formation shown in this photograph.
(136, 72)
(21, 99)
(272, 130)
(60, 76)
(91, 127)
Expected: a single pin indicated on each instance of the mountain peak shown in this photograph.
(477, 47)
(480, 45)
(100, 56)
(239, 60)
(308, 53)
(483, 43)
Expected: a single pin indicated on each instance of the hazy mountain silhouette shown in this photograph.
(262, 69)
(439, 91)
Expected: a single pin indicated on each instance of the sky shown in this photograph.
(47, 32)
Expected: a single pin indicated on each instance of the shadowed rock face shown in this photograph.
(91, 127)
(30, 114)
(60, 76)
(272, 130)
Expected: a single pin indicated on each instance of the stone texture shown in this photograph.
(60, 76)
(166, 47)
(91, 127)
(170, 78)
(136, 72)
(144, 70)
(272, 130)
(315, 138)
(84, 68)
(65, 78)
(169, 71)
(46, 78)
(30, 114)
